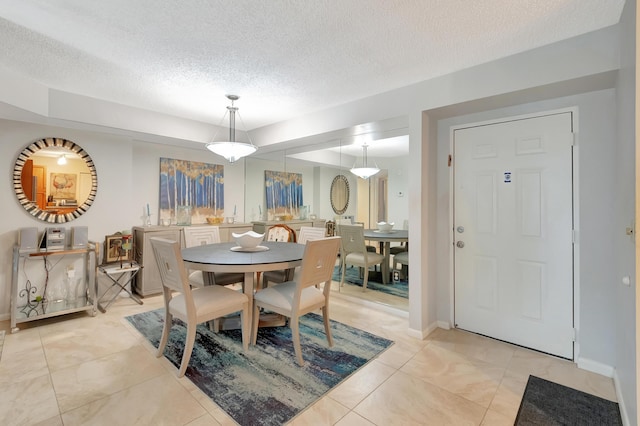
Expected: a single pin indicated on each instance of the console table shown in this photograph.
(49, 291)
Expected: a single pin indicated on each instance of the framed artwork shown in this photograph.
(63, 186)
(193, 187)
(118, 248)
(284, 194)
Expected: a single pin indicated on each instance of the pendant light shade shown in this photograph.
(231, 149)
(366, 171)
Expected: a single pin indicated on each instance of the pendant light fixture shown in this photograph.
(366, 171)
(231, 149)
(62, 160)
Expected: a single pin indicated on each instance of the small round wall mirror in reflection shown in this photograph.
(55, 180)
(339, 194)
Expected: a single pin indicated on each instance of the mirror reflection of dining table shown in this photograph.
(228, 257)
(385, 239)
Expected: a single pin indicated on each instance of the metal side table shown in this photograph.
(120, 277)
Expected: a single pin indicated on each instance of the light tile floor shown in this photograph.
(82, 370)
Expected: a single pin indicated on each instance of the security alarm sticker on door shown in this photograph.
(507, 177)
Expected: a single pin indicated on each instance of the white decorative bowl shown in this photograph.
(385, 227)
(248, 240)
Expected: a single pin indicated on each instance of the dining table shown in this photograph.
(385, 238)
(229, 257)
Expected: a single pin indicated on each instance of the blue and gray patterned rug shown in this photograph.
(399, 288)
(265, 385)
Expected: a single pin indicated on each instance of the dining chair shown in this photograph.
(294, 299)
(306, 233)
(278, 232)
(354, 252)
(193, 305)
(201, 235)
(404, 246)
(402, 259)
(281, 232)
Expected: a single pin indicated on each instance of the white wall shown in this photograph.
(625, 313)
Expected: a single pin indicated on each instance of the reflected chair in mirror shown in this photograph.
(193, 305)
(354, 252)
(294, 299)
(201, 235)
(306, 233)
(402, 259)
(279, 232)
(404, 246)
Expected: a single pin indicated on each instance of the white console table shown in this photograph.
(36, 274)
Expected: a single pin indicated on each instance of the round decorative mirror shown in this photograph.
(55, 180)
(339, 194)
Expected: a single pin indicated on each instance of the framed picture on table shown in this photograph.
(117, 248)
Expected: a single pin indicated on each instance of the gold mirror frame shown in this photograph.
(30, 206)
(339, 194)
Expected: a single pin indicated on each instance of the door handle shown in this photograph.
(460, 244)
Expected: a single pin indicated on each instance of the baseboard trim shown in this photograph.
(444, 325)
(422, 334)
(595, 367)
(623, 409)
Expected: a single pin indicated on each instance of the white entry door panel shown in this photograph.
(513, 262)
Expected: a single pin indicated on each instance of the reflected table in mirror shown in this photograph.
(385, 239)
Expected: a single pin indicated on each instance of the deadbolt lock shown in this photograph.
(460, 244)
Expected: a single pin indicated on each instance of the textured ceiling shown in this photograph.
(283, 58)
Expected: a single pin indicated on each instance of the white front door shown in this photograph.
(513, 221)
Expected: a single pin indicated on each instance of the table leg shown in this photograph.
(385, 265)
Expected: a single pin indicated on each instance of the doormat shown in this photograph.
(549, 403)
(352, 276)
(265, 385)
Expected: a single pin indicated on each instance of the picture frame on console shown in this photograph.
(117, 248)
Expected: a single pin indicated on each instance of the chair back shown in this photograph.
(171, 267)
(352, 239)
(200, 235)
(318, 262)
(308, 233)
(281, 232)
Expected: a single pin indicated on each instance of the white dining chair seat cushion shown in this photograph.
(358, 259)
(209, 301)
(402, 258)
(281, 296)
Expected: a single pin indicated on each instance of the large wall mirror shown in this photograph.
(55, 180)
(339, 194)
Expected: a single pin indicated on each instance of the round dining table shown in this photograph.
(385, 239)
(228, 257)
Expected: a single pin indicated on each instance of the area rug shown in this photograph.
(265, 385)
(398, 288)
(549, 403)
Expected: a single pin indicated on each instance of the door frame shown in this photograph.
(575, 203)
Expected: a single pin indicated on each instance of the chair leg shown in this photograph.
(295, 336)
(188, 348)
(366, 279)
(256, 320)
(327, 325)
(344, 271)
(168, 318)
(246, 326)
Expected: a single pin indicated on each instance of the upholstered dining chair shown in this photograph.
(281, 232)
(354, 252)
(403, 246)
(294, 299)
(193, 305)
(306, 233)
(200, 235)
(402, 259)
(278, 232)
